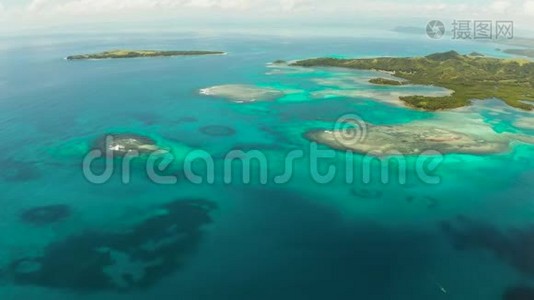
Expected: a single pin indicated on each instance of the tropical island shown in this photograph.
(468, 76)
(124, 143)
(409, 139)
(140, 53)
(522, 52)
(416, 138)
(521, 46)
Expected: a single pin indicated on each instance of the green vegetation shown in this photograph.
(385, 81)
(139, 53)
(470, 77)
(476, 54)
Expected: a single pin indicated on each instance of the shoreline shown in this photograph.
(131, 54)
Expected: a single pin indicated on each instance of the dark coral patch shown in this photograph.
(17, 171)
(519, 293)
(514, 247)
(146, 117)
(217, 130)
(106, 260)
(187, 120)
(256, 147)
(431, 202)
(366, 193)
(44, 215)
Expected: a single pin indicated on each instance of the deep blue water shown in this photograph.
(469, 237)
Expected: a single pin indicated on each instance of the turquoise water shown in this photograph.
(469, 237)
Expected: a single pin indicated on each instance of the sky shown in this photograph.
(18, 14)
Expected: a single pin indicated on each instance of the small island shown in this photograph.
(140, 53)
(521, 46)
(412, 139)
(124, 143)
(521, 52)
(470, 77)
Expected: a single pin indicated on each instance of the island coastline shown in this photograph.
(124, 53)
(470, 77)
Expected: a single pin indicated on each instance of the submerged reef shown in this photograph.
(524, 123)
(44, 215)
(241, 93)
(519, 293)
(514, 247)
(409, 139)
(103, 259)
(217, 130)
(429, 201)
(363, 193)
(18, 171)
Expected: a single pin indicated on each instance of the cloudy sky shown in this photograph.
(19, 13)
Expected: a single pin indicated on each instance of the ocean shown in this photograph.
(469, 236)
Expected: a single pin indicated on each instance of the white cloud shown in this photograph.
(218, 4)
(260, 7)
(95, 5)
(125, 6)
(245, 12)
(500, 6)
(98, 6)
(528, 8)
(37, 5)
(296, 5)
(332, 9)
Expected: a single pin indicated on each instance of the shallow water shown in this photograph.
(297, 240)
